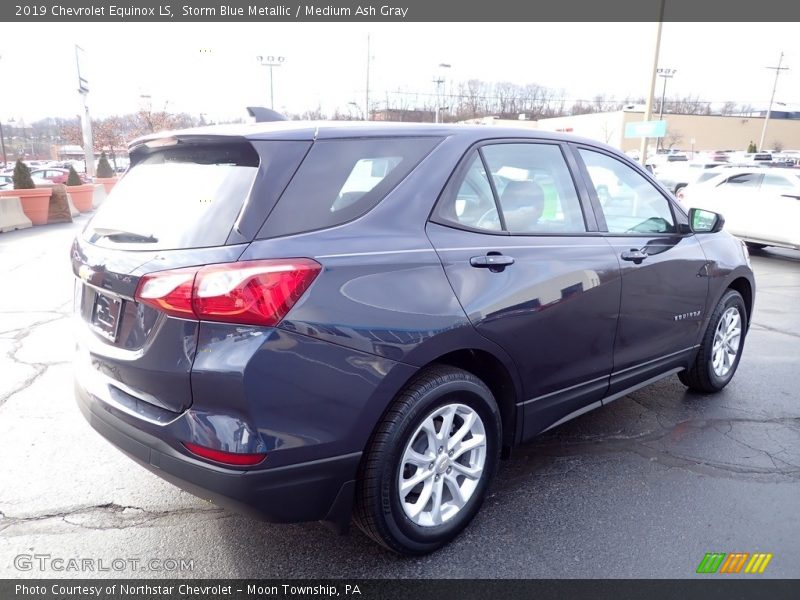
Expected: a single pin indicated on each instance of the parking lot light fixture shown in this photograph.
(439, 81)
(271, 61)
(664, 74)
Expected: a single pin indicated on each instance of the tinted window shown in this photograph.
(744, 180)
(631, 204)
(706, 176)
(473, 204)
(177, 197)
(776, 182)
(534, 188)
(341, 180)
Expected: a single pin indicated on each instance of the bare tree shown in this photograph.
(687, 105)
(672, 138)
(728, 108)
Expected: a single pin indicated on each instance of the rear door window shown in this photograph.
(534, 188)
(341, 180)
(529, 182)
(186, 196)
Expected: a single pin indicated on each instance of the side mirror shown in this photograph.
(705, 221)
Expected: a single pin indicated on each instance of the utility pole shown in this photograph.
(778, 70)
(648, 108)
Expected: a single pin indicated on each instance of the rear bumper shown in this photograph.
(316, 490)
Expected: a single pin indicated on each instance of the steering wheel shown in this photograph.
(489, 220)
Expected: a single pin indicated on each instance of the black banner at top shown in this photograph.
(397, 10)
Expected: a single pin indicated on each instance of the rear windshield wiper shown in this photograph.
(123, 237)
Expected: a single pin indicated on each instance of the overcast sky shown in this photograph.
(212, 68)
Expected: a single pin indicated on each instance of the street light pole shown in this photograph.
(666, 74)
(357, 107)
(271, 61)
(439, 81)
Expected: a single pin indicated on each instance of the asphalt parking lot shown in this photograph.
(643, 488)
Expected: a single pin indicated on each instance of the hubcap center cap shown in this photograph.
(442, 463)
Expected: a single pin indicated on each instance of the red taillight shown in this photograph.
(258, 292)
(226, 458)
(169, 292)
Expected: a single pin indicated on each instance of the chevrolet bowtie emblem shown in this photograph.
(85, 272)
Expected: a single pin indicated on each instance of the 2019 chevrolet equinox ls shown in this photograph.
(311, 321)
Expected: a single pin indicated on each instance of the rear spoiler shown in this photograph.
(264, 115)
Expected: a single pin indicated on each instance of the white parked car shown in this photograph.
(760, 205)
(677, 175)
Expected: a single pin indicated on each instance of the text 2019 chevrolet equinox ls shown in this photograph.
(310, 321)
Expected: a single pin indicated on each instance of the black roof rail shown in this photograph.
(265, 115)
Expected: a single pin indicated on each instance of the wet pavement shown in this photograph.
(642, 488)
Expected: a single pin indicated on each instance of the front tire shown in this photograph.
(429, 462)
(721, 347)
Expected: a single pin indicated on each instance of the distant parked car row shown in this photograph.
(56, 175)
(40, 177)
(121, 165)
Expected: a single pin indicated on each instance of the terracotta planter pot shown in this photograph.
(108, 183)
(35, 203)
(82, 196)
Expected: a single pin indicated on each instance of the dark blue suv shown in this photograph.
(311, 321)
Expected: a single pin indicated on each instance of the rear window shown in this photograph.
(177, 197)
(340, 180)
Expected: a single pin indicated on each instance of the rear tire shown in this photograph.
(721, 348)
(429, 462)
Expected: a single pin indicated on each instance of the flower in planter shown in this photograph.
(73, 178)
(22, 176)
(35, 201)
(82, 195)
(103, 167)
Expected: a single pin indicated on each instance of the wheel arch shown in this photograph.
(464, 348)
(744, 287)
(489, 369)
